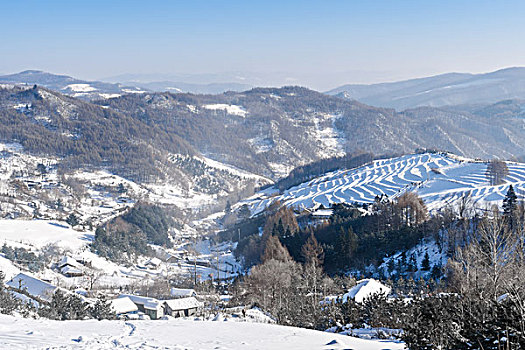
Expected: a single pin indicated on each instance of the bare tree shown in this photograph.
(496, 172)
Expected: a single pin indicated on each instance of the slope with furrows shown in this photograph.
(441, 179)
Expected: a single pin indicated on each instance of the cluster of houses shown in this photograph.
(126, 306)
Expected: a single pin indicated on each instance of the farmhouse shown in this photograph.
(69, 267)
(182, 307)
(182, 292)
(123, 306)
(32, 287)
(149, 306)
(364, 289)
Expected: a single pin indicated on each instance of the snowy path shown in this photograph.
(19, 333)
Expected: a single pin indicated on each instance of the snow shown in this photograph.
(331, 140)
(8, 268)
(439, 179)
(39, 233)
(183, 303)
(80, 88)
(33, 286)
(364, 289)
(123, 305)
(20, 333)
(230, 109)
(182, 292)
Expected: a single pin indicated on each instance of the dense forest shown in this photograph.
(475, 303)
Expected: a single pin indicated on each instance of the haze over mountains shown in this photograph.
(440, 90)
(265, 131)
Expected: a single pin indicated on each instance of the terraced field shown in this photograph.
(440, 179)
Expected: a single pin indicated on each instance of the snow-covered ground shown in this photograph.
(230, 109)
(20, 333)
(38, 233)
(440, 179)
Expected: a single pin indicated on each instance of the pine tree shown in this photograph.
(8, 303)
(510, 205)
(425, 264)
(102, 309)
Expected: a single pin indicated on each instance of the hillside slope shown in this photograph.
(440, 179)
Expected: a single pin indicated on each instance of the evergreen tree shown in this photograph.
(102, 309)
(72, 220)
(510, 205)
(8, 303)
(425, 264)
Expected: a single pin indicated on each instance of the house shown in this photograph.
(32, 287)
(364, 289)
(67, 261)
(69, 267)
(154, 263)
(182, 307)
(124, 306)
(322, 213)
(70, 271)
(149, 306)
(182, 292)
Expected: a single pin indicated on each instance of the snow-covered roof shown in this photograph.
(66, 260)
(149, 303)
(70, 270)
(33, 286)
(154, 262)
(182, 292)
(123, 305)
(183, 303)
(364, 289)
(322, 213)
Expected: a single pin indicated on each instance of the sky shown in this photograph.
(319, 44)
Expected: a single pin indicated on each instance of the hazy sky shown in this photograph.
(320, 44)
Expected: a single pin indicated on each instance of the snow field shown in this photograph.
(21, 333)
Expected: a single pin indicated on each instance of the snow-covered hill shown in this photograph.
(440, 179)
(23, 333)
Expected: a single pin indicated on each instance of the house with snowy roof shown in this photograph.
(364, 289)
(69, 267)
(182, 307)
(153, 263)
(123, 306)
(32, 287)
(67, 261)
(182, 292)
(150, 306)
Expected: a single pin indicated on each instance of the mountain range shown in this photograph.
(440, 90)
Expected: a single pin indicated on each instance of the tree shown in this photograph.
(72, 220)
(121, 189)
(228, 207)
(274, 250)
(41, 168)
(244, 212)
(510, 206)
(413, 209)
(313, 255)
(425, 264)
(8, 303)
(497, 170)
(346, 246)
(102, 309)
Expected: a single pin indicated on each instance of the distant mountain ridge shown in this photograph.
(93, 90)
(264, 131)
(83, 89)
(440, 90)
